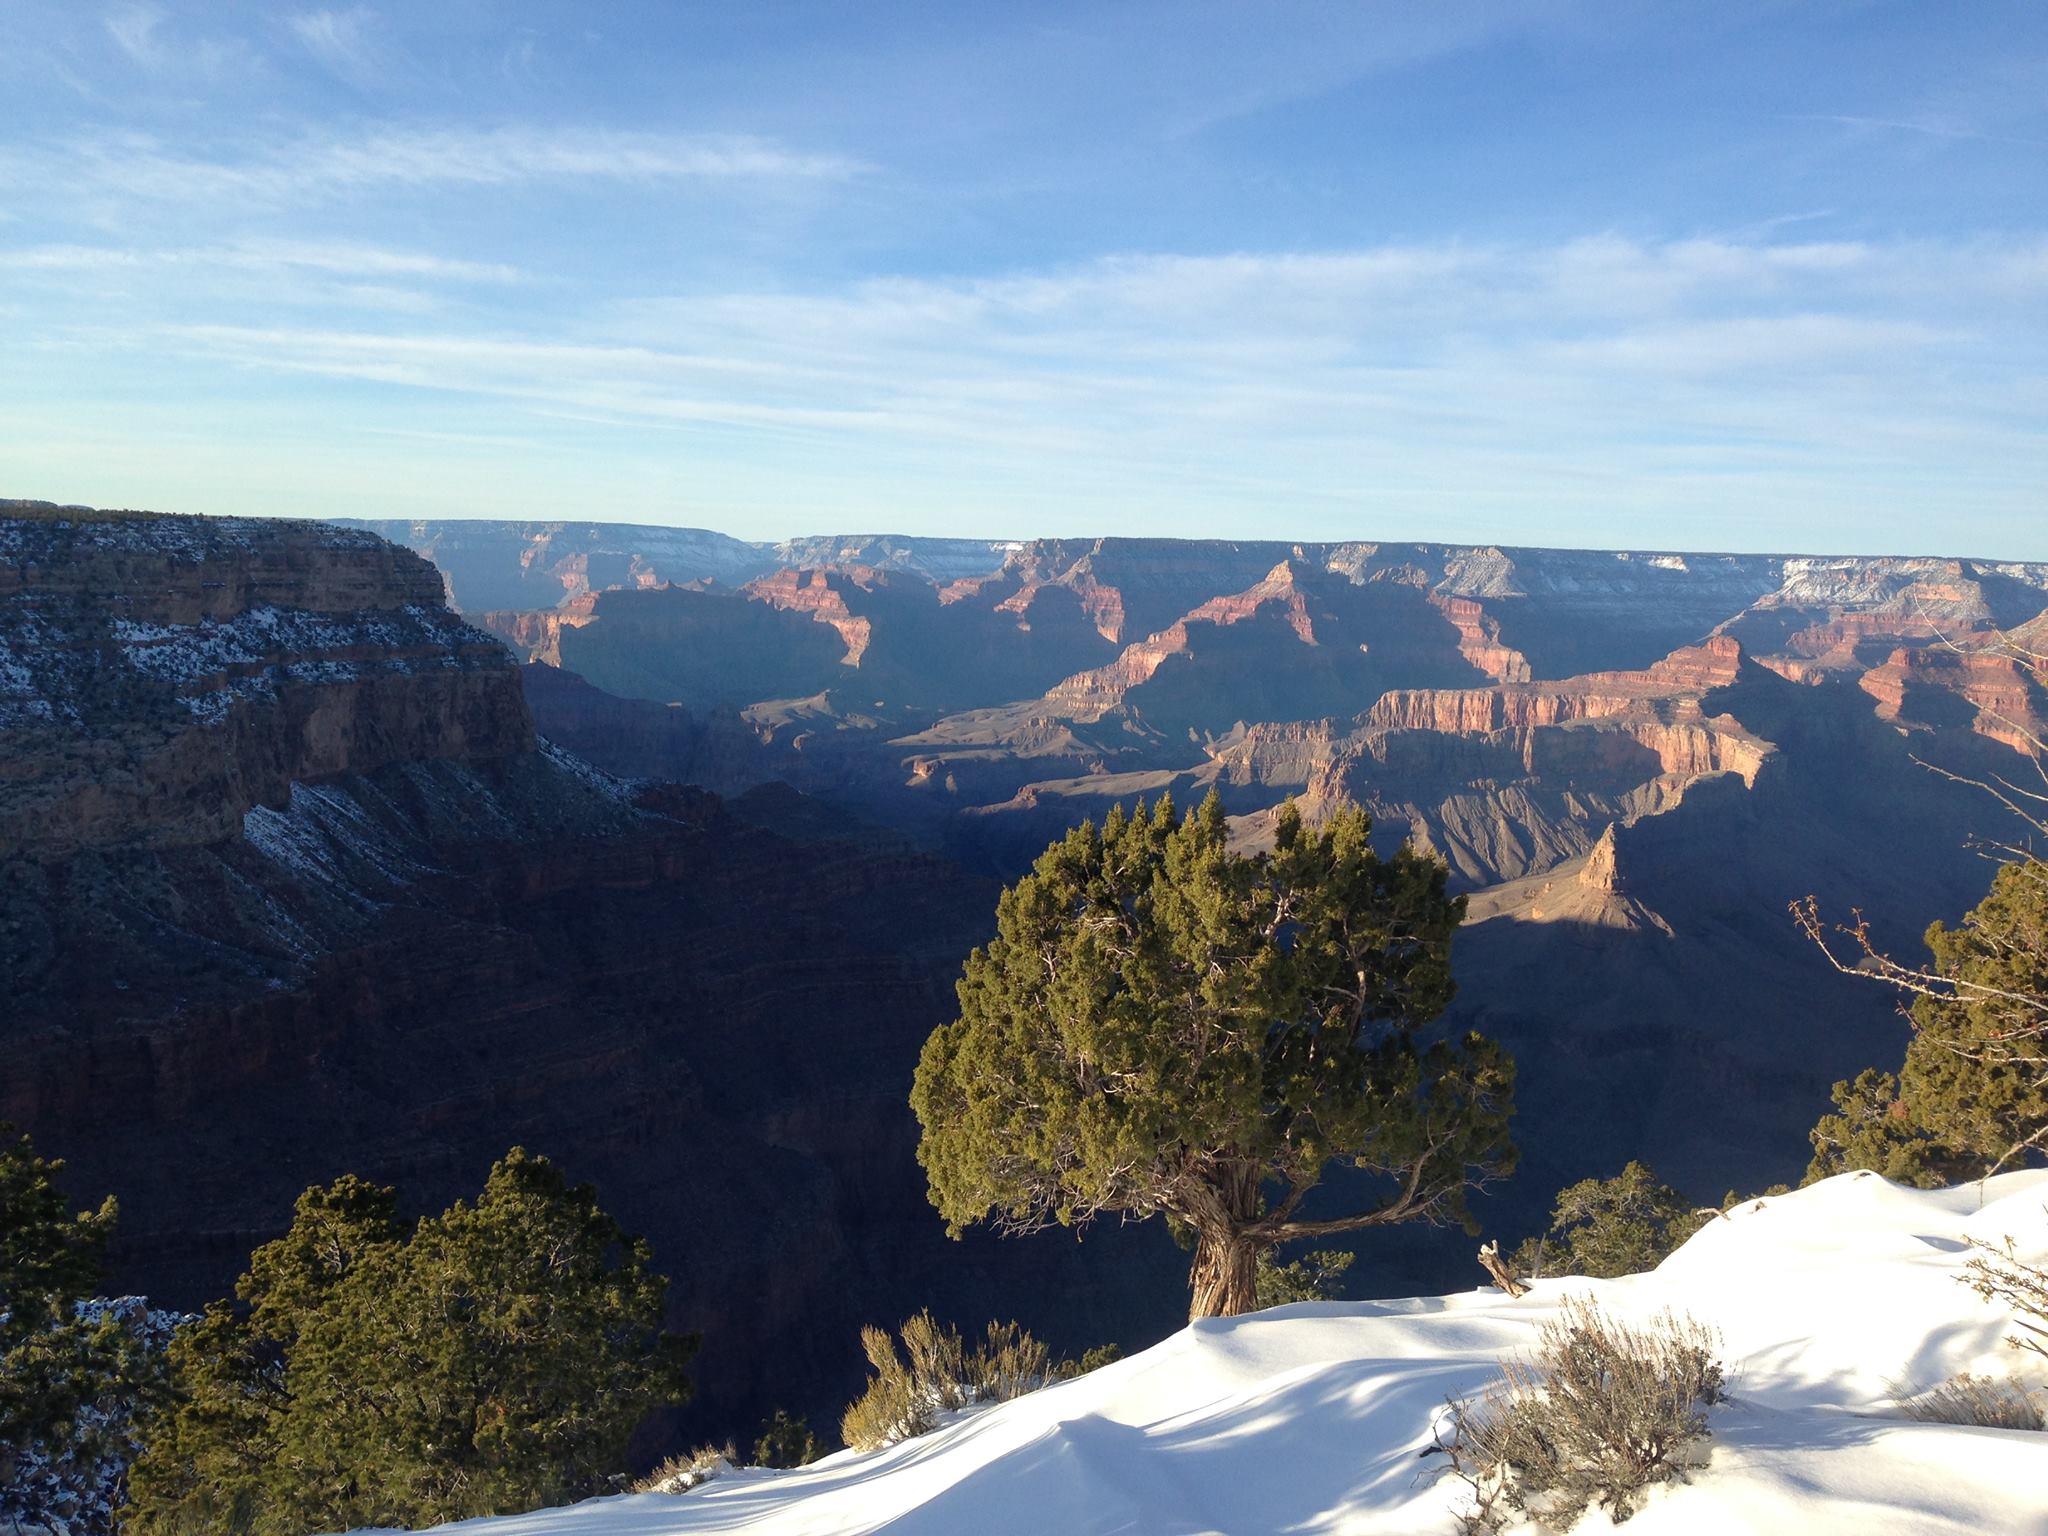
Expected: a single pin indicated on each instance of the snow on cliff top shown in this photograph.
(1310, 1418)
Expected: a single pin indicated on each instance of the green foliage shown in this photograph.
(1164, 1027)
(1608, 1227)
(49, 1257)
(495, 1359)
(1872, 1128)
(70, 1381)
(1603, 1411)
(786, 1441)
(1091, 1360)
(1317, 1276)
(1973, 1091)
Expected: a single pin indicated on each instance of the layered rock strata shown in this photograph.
(160, 677)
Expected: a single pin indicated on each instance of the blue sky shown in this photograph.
(1699, 276)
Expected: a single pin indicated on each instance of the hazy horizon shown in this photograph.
(771, 539)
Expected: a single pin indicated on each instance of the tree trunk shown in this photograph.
(1225, 1276)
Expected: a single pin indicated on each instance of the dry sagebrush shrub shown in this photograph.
(1998, 1274)
(1988, 1402)
(1603, 1410)
(679, 1474)
(934, 1373)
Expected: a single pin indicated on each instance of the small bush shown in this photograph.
(1988, 1402)
(1009, 1363)
(786, 1441)
(1603, 1411)
(1604, 1228)
(1317, 1276)
(935, 1373)
(679, 1474)
(1091, 1360)
(907, 1394)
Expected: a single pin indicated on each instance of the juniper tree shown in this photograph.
(1163, 1027)
(494, 1359)
(1972, 1094)
(72, 1378)
(1604, 1228)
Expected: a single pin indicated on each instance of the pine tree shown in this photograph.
(72, 1378)
(220, 1460)
(1972, 1095)
(494, 1360)
(1164, 1027)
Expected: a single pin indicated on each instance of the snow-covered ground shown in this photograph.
(1310, 1418)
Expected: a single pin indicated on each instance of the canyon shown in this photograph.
(383, 847)
(290, 888)
(1632, 761)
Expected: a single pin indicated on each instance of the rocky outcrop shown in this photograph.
(1994, 687)
(535, 634)
(1846, 614)
(821, 595)
(531, 566)
(160, 677)
(1301, 642)
(1479, 639)
(1680, 679)
(1590, 891)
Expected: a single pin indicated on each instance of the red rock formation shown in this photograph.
(1479, 639)
(822, 595)
(1091, 693)
(536, 633)
(1682, 676)
(2000, 687)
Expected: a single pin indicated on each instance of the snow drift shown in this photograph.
(1310, 1418)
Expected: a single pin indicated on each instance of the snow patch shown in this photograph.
(1310, 1418)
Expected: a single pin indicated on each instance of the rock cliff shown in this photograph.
(160, 677)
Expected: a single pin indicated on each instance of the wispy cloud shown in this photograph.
(139, 168)
(1928, 127)
(340, 40)
(1601, 366)
(345, 260)
(1709, 384)
(148, 38)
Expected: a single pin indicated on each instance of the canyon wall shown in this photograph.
(159, 677)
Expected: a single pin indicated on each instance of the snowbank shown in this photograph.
(1310, 1418)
